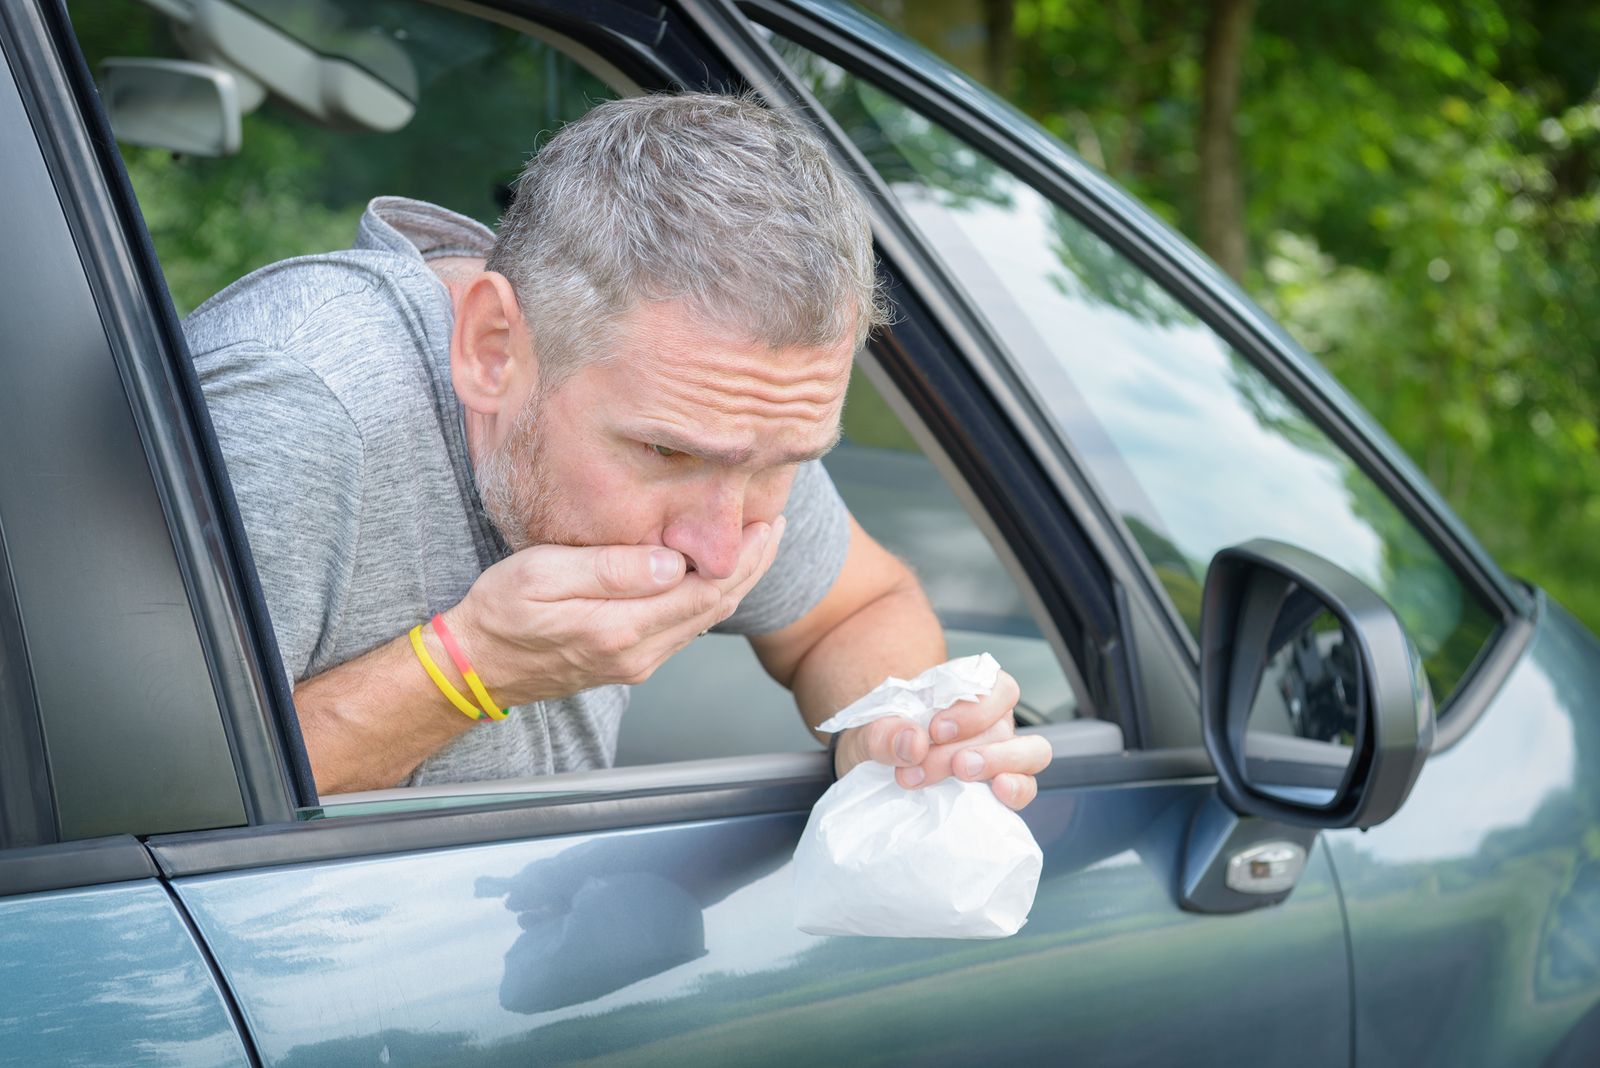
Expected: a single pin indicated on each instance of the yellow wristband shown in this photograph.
(467, 708)
(442, 631)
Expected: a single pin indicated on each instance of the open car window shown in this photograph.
(443, 106)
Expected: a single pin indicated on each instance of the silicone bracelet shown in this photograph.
(467, 708)
(463, 665)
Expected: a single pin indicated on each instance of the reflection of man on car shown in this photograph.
(581, 458)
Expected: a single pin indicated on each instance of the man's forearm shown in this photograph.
(895, 634)
(370, 721)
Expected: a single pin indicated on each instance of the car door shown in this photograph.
(1471, 912)
(643, 914)
(108, 723)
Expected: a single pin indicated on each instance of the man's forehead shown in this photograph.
(681, 359)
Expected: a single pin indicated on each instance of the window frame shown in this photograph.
(969, 113)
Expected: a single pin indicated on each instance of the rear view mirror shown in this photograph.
(184, 107)
(1316, 708)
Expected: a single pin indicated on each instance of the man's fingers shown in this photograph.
(893, 740)
(968, 719)
(564, 573)
(996, 751)
(752, 566)
(1015, 791)
(698, 604)
(712, 600)
(1027, 754)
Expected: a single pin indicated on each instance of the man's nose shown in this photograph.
(710, 535)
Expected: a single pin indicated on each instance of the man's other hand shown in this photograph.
(551, 620)
(972, 740)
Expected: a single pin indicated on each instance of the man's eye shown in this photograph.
(662, 450)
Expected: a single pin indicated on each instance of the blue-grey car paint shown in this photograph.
(675, 945)
(108, 975)
(1475, 911)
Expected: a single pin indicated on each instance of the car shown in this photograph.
(1325, 780)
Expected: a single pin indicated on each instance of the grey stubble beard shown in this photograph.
(515, 487)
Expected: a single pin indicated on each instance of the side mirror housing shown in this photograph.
(1315, 707)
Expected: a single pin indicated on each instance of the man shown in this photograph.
(584, 442)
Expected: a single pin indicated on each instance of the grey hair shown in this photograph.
(715, 200)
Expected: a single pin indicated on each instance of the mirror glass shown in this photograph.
(188, 108)
(1301, 732)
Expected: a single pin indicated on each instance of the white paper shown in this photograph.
(944, 861)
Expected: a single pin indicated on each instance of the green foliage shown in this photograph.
(1423, 204)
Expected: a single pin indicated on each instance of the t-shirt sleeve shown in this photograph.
(294, 457)
(809, 559)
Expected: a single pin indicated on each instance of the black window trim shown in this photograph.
(66, 865)
(1185, 274)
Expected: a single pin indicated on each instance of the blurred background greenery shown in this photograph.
(1412, 187)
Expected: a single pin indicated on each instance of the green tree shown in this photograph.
(1420, 182)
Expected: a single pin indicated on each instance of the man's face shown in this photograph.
(682, 439)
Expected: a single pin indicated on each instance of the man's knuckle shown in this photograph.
(615, 641)
(611, 571)
(527, 570)
(636, 670)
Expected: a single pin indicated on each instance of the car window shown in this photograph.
(299, 180)
(305, 167)
(1192, 445)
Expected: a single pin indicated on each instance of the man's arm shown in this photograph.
(876, 622)
(342, 709)
(543, 623)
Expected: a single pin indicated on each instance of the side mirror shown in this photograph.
(1316, 710)
(184, 107)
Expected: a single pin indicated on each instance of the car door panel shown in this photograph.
(1475, 912)
(108, 975)
(675, 945)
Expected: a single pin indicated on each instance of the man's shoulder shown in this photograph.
(360, 324)
(292, 303)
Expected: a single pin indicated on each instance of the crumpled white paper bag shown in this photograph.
(944, 861)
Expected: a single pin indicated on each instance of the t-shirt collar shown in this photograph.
(415, 228)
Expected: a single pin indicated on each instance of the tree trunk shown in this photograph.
(1221, 184)
(1000, 41)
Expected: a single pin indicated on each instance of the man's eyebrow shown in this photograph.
(735, 457)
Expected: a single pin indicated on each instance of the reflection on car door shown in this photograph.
(674, 944)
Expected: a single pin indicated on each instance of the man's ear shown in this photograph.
(492, 363)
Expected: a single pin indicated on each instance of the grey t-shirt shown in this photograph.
(328, 382)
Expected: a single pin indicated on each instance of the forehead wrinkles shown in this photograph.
(756, 386)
